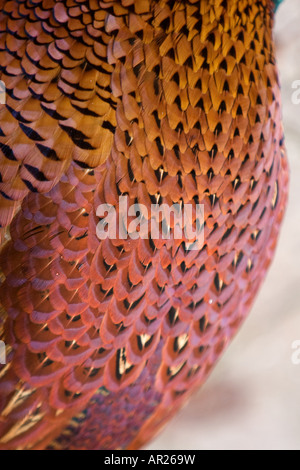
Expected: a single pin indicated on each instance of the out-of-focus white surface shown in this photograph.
(252, 399)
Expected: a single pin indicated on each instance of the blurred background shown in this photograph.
(252, 399)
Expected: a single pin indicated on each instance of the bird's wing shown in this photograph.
(59, 107)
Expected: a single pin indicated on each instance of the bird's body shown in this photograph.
(175, 102)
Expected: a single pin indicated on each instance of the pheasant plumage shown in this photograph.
(162, 101)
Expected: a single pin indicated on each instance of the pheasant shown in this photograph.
(161, 102)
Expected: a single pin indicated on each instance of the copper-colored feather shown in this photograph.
(175, 102)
